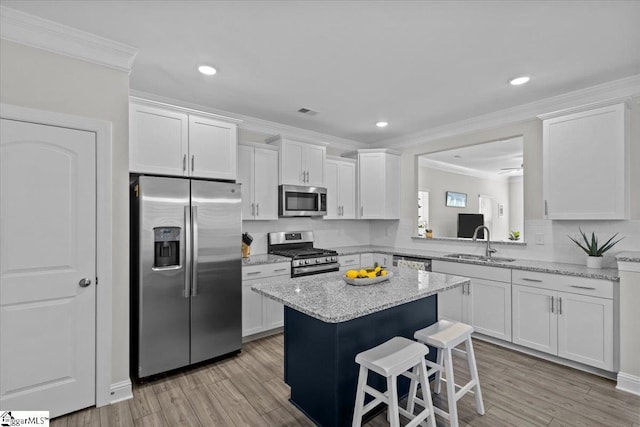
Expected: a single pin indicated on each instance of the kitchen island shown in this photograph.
(327, 322)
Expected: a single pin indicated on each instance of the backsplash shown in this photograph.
(327, 233)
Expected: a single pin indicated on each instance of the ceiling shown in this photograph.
(496, 159)
(414, 64)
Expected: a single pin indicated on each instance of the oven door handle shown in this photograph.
(334, 266)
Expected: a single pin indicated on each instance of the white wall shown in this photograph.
(41, 80)
(516, 205)
(443, 220)
(629, 323)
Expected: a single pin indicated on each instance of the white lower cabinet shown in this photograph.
(485, 303)
(576, 325)
(349, 262)
(259, 313)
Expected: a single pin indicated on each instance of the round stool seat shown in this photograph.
(444, 334)
(392, 357)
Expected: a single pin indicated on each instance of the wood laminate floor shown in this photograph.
(248, 390)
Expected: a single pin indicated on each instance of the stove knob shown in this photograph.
(328, 259)
(318, 260)
(308, 261)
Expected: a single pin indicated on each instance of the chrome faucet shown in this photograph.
(489, 249)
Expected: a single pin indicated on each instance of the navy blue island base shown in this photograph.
(319, 357)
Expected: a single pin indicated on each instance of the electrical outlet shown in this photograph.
(539, 239)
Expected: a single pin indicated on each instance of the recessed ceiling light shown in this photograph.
(207, 70)
(382, 124)
(519, 80)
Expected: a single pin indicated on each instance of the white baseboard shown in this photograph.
(121, 391)
(628, 383)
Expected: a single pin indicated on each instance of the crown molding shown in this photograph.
(252, 124)
(628, 87)
(30, 30)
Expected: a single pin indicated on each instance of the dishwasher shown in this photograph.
(417, 263)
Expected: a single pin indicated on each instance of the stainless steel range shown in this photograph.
(305, 259)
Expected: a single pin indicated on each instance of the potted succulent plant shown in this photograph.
(593, 250)
(514, 235)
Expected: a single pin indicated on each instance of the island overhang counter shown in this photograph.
(327, 322)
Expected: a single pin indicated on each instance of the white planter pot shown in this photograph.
(594, 261)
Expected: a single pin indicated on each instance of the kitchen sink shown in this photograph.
(479, 258)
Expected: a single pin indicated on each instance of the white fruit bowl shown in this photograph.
(368, 281)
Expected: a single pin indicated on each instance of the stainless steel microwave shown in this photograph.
(295, 200)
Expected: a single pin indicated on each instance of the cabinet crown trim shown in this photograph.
(354, 154)
(626, 100)
(259, 145)
(279, 138)
(341, 159)
(177, 108)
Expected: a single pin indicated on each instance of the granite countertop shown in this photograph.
(628, 256)
(518, 264)
(259, 259)
(330, 299)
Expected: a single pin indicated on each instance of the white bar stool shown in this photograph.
(445, 336)
(390, 359)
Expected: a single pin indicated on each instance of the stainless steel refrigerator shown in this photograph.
(186, 278)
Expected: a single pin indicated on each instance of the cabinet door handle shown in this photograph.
(468, 288)
(526, 279)
(583, 287)
(463, 291)
(552, 307)
(251, 273)
(193, 163)
(560, 305)
(184, 162)
(546, 210)
(347, 261)
(257, 209)
(279, 269)
(361, 210)
(307, 176)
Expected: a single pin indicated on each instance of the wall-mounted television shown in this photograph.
(468, 222)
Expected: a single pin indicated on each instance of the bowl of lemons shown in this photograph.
(367, 276)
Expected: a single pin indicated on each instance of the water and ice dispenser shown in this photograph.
(166, 247)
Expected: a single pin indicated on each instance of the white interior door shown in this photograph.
(48, 245)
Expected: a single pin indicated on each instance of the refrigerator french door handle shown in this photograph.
(194, 256)
(187, 250)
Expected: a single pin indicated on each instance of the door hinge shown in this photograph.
(96, 281)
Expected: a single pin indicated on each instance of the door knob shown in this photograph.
(84, 282)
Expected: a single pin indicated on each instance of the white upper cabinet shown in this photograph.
(174, 141)
(212, 148)
(301, 163)
(258, 174)
(340, 180)
(586, 163)
(378, 184)
(159, 140)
